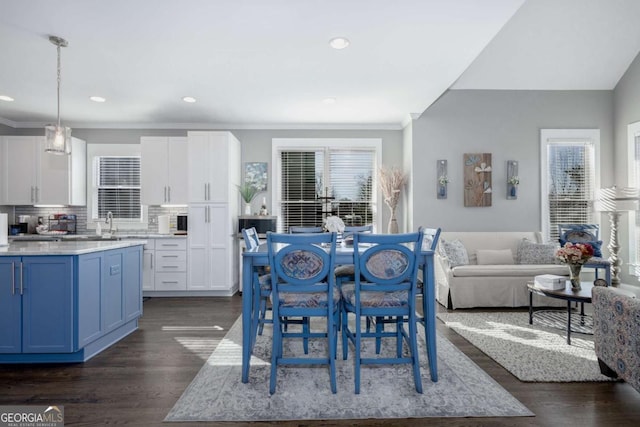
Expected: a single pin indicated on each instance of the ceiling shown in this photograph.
(268, 64)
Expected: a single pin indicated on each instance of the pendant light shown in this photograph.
(57, 137)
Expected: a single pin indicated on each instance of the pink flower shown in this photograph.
(575, 253)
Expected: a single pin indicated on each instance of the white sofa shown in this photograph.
(490, 284)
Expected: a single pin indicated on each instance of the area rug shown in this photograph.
(303, 393)
(532, 353)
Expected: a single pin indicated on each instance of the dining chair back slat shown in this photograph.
(261, 283)
(304, 229)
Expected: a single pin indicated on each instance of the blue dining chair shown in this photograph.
(430, 242)
(303, 285)
(261, 282)
(294, 229)
(385, 288)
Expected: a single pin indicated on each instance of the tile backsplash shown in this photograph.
(81, 215)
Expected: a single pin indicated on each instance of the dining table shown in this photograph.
(259, 257)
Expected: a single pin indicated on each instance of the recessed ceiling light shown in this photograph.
(190, 99)
(328, 101)
(339, 42)
(97, 99)
(6, 98)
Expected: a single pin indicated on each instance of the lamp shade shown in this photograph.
(57, 139)
(615, 199)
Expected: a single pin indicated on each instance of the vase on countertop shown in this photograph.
(575, 276)
(247, 208)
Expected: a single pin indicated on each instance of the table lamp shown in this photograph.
(615, 201)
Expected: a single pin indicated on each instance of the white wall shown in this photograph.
(506, 124)
(626, 109)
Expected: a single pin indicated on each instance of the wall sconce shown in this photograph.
(513, 180)
(442, 179)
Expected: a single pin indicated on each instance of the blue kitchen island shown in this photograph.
(67, 301)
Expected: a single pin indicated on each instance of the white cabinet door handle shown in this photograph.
(151, 259)
(205, 191)
(168, 194)
(165, 194)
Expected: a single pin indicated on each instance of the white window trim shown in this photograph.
(547, 137)
(282, 144)
(98, 150)
(633, 130)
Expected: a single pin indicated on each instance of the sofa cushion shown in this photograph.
(536, 253)
(510, 270)
(494, 256)
(456, 252)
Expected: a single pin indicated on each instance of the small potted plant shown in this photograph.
(513, 181)
(248, 192)
(443, 180)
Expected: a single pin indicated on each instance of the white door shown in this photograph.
(178, 181)
(154, 165)
(148, 270)
(198, 165)
(198, 250)
(54, 180)
(219, 246)
(21, 169)
(219, 166)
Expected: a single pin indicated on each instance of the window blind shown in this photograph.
(118, 187)
(344, 175)
(571, 181)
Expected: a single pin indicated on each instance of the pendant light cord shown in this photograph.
(58, 86)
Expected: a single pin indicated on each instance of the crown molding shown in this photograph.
(8, 122)
(216, 126)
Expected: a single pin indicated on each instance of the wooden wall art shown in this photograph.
(477, 179)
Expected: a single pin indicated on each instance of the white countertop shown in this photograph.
(65, 248)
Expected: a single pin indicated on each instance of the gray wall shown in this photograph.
(626, 107)
(506, 124)
(256, 147)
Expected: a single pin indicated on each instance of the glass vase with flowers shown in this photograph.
(575, 255)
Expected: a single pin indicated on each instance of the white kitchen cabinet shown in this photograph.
(165, 267)
(214, 167)
(33, 176)
(212, 264)
(3, 164)
(214, 173)
(163, 170)
(148, 266)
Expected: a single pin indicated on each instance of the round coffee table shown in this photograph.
(582, 296)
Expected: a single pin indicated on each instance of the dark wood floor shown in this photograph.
(137, 381)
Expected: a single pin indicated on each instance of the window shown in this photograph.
(318, 178)
(114, 185)
(569, 178)
(118, 187)
(633, 131)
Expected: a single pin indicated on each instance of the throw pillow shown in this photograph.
(596, 245)
(456, 253)
(536, 253)
(495, 257)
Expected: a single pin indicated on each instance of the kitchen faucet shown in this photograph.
(109, 221)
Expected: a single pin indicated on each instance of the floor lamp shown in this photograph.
(615, 201)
